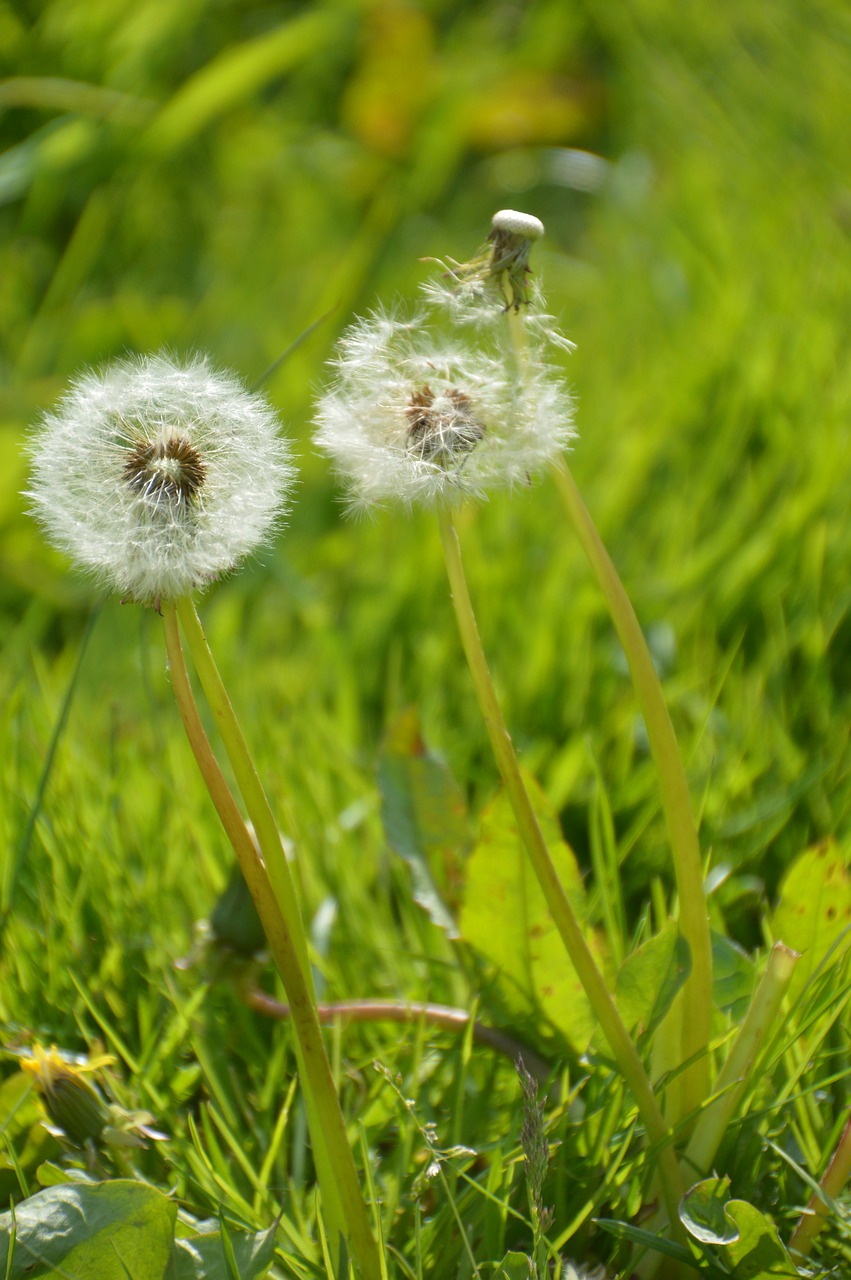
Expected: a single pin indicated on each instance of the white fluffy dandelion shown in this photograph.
(420, 411)
(159, 477)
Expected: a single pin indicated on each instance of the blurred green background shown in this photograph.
(216, 175)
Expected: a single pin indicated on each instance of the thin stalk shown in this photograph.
(816, 1213)
(341, 1195)
(256, 801)
(623, 1049)
(20, 856)
(676, 802)
(443, 1016)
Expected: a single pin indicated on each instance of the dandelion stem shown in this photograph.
(256, 801)
(676, 802)
(814, 1217)
(736, 1072)
(443, 1016)
(620, 1042)
(342, 1199)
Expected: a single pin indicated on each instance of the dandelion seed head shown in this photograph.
(157, 476)
(420, 411)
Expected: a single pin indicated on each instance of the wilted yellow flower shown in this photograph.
(76, 1105)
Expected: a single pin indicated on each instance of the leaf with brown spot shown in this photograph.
(815, 902)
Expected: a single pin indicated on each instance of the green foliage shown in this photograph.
(814, 912)
(505, 917)
(112, 1230)
(219, 176)
(650, 977)
(746, 1238)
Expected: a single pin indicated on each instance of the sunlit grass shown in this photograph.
(706, 283)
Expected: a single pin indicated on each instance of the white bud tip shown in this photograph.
(525, 225)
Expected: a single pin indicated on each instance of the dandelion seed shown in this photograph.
(443, 427)
(159, 477)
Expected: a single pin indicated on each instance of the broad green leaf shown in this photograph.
(514, 1266)
(814, 907)
(734, 977)
(93, 1231)
(203, 1257)
(504, 916)
(703, 1212)
(757, 1253)
(425, 817)
(650, 977)
(56, 1175)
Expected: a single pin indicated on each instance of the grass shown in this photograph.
(245, 182)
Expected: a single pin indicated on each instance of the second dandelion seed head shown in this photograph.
(438, 403)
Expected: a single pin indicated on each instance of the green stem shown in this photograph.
(577, 948)
(676, 802)
(256, 801)
(341, 1195)
(813, 1219)
(735, 1075)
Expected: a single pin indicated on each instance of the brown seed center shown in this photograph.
(170, 469)
(442, 426)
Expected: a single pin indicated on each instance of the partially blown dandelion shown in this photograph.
(159, 477)
(421, 409)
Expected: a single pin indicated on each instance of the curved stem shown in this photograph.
(438, 1015)
(620, 1042)
(676, 802)
(341, 1195)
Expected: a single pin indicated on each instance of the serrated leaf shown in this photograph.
(814, 908)
(757, 1253)
(703, 1212)
(650, 977)
(424, 816)
(505, 917)
(93, 1231)
(203, 1256)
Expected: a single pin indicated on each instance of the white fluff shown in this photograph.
(498, 420)
(151, 539)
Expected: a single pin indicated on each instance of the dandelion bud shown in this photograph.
(512, 235)
(159, 477)
(74, 1104)
(522, 226)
